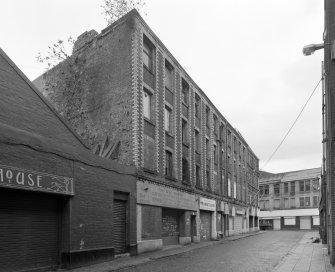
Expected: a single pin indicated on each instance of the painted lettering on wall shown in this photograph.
(17, 178)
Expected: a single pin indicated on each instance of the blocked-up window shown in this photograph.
(168, 119)
(147, 98)
(277, 203)
(315, 201)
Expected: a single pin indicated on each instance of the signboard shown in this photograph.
(152, 194)
(16, 178)
(207, 204)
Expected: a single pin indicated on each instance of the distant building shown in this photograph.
(290, 201)
(198, 177)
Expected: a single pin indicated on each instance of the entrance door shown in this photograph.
(305, 222)
(29, 231)
(120, 226)
(205, 225)
(193, 227)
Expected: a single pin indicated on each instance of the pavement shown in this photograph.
(167, 251)
(306, 256)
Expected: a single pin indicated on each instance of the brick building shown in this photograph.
(290, 200)
(198, 177)
(60, 205)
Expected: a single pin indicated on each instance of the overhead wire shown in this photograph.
(291, 127)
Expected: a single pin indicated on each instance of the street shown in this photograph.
(255, 253)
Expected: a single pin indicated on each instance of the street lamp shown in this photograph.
(311, 48)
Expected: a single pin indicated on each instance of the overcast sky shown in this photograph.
(245, 55)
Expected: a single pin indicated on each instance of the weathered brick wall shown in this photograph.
(92, 89)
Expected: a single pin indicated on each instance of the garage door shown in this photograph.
(120, 226)
(205, 226)
(305, 222)
(170, 226)
(29, 230)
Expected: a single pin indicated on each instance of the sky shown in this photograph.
(245, 55)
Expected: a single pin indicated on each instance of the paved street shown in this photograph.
(255, 253)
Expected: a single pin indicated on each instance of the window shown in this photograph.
(292, 188)
(229, 187)
(307, 201)
(301, 186)
(292, 202)
(266, 190)
(222, 134)
(229, 138)
(147, 97)
(222, 159)
(277, 203)
(234, 189)
(184, 131)
(276, 189)
(215, 124)
(302, 201)
(168, 163)
(261, 190)
(185, 171)
(197, 140)
(315, 201)
(207, 116)
(148, 55)
(208, 153)
(185, 92)
(208, 178)
(168, 80)
(197, 175)
(307, 186)
(197, 106)
(168, 119)
(215, 154)
(316, 185)
(286, 187)
(286, 203)
(266, 204)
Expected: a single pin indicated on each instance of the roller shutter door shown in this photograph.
(120, 226)
(305, 222)
(205, 226)
(29, 227)
(170, 227)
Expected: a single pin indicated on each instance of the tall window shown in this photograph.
(286, 188)
(197, 106)
(315, 201)
(147, 97)
(316, 185)
(207, 116)
(168, 163)
(215, 154)
(276, 189)
(197, 140)
(302, 201)
(185, 170)
(208, 153)
(301, 186)
(292, 187)
(307, 186)
(184, 131)
(185, 91)
(168, 119)
(215, 124)
(307, 201)
(261, 190)
(266, 190)
(197, 175)
(208, 178)
(168, 76)
(147, 55)
(229, 187)
(235, 189)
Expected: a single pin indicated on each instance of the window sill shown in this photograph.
(186, 182)
(185, 104)
(186, 144)
(169, 134)
(171, 178)
(148, 69)
(149, 121)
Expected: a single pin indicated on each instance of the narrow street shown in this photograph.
(255, 253)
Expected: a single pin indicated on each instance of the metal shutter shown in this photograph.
(205, 226)
(276, 224)
(120, 226)
(29, 231)
(238, 224)
(305, 222)
(170, 227)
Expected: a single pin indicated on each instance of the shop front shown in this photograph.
(165, 216)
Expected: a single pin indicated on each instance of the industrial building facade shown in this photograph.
(198, 177)
(290, 200)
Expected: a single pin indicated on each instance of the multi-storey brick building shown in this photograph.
(198, 177)
(290, 200)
